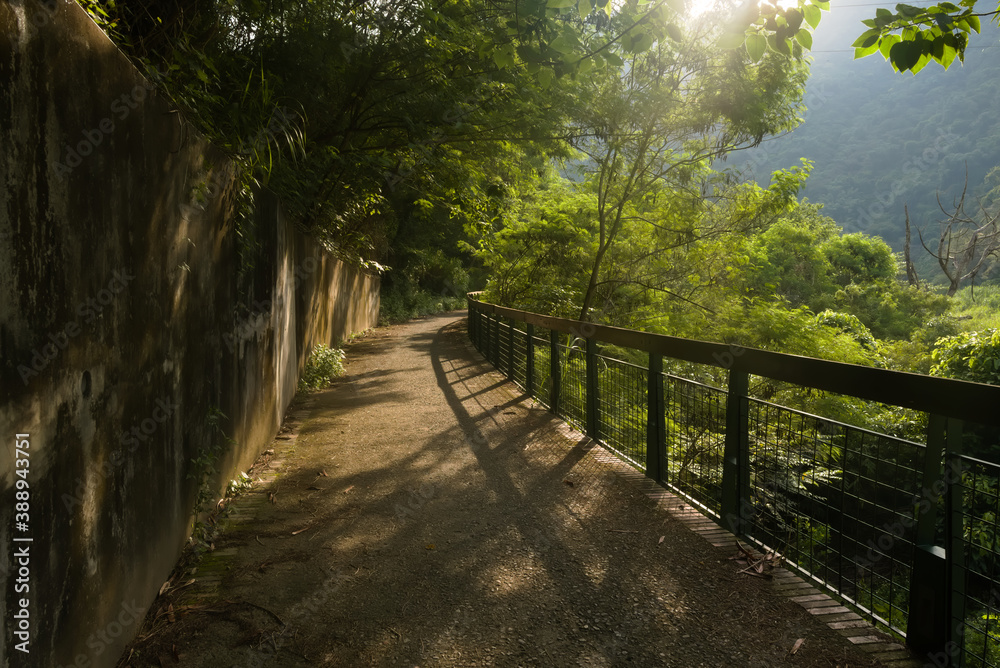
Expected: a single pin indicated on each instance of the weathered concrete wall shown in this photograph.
(123, 326)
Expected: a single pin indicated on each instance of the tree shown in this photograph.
(653, 130)
(966, 246)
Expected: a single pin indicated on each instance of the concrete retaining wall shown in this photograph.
(124, 326)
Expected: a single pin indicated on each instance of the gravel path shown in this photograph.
(422, 512)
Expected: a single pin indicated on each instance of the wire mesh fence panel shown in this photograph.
(486, 337)
(696, 426)
(978, 561)
(543, 368)
(622, 409)
(520, 358)
(840, 503)
(573, 386)
(504, 347)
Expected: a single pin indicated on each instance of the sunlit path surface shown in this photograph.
(422, 512)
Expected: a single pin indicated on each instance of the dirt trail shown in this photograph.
(422, 512)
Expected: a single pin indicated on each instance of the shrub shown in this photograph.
(323, 366)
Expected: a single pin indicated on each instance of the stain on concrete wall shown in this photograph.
(123, 326)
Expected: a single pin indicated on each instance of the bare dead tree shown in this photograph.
(968, 244)
(911, 271)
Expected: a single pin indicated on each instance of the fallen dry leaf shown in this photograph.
(568, 482)
(429, 546)
(660, 542)
(797, 645)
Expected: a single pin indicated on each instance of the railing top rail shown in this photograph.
(974, 402)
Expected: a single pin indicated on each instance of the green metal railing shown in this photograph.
(907, 533)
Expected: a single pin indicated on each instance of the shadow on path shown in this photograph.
(426, 513)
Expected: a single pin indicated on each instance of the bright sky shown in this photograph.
(699, 7)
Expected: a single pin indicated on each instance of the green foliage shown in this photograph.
(981, 640)
(324, 364)
(972, 356)
(859, 258)
(762, 27)
(403, 302)
(911, 37)
(850, 325)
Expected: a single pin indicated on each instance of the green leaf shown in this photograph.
(886, 43)
(642, 42)
(921, 63)
(732, 40)
(973, 21)
(545, 76)
(948, 56)
(563, 43)
(503, 58)
(867, 38)
(863, 52)
(560, 4)
(813, 14)
(805, 38)
(908, 11)
(613, 58)
(585, 8)
(674, 32)
(756, 46)
(822, 4)
(905, 54)
(778, 44)
(793, 18)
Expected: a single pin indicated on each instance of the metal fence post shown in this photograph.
(529, 361)
(593, 392)
(955, 535)
(736, 504)
(656, 421)
(554, 371)
(927, 619)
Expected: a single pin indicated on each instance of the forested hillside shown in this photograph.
(880, 140)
